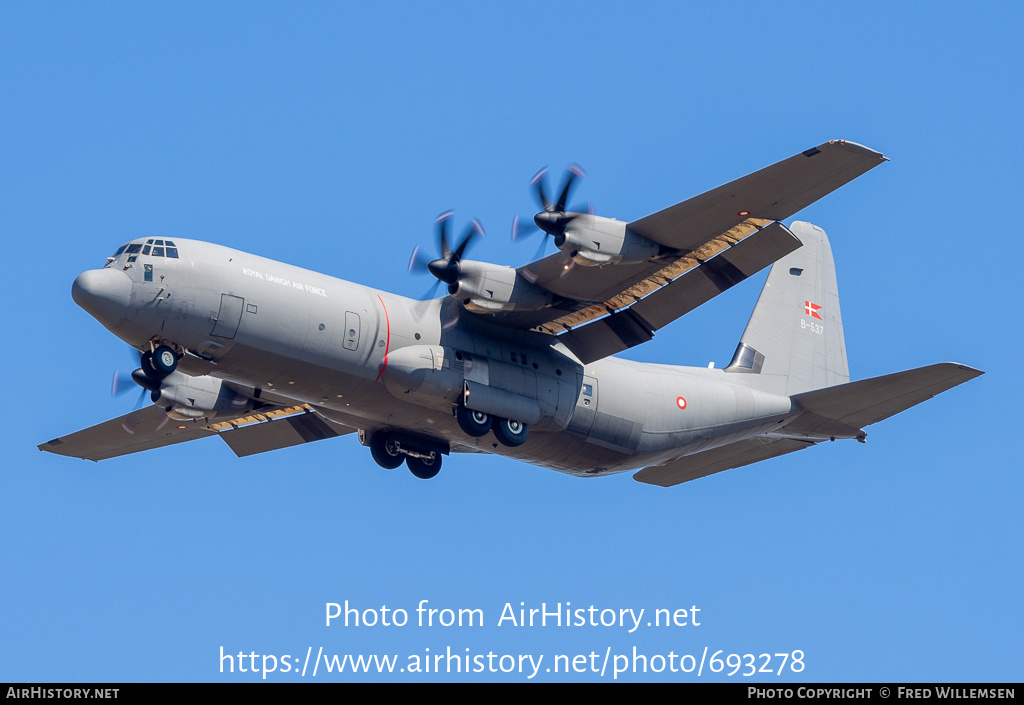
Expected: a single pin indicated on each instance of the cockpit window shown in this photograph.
(152, 248)
(110, 260)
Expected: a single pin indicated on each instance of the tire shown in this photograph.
(511, 433)
(163, 361)
(383, 451)
(424, 469)
(146, 363)
(474, 423)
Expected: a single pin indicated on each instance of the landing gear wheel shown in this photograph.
(511, 433)
(163, 361)
(385, 451)
(424, 469)
(474, 423)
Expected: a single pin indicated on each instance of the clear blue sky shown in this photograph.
(330, 137)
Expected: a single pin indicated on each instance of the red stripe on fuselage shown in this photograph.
(387, 343)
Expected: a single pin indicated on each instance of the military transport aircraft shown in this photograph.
(511, 361)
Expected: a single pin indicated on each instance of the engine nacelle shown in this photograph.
(593, 241)
(200, 397)
(488, 288)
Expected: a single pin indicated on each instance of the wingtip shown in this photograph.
(967, 369)
(859, 148)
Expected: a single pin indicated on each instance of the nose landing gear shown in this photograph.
(159, 363)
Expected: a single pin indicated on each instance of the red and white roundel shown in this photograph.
(680, 402)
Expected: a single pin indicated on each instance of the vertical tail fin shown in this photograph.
(793, 341)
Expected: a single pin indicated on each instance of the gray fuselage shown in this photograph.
(290, 335)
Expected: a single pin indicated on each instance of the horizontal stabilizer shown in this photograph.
(858, 404)
(727, 457)
(839, 411)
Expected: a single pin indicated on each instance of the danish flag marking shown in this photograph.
(812, 310)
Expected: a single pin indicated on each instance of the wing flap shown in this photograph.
(283, 432)
(703, 281)
(773, 193)
(709, 462)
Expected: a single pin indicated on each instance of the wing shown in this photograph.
(727, 457)
(146, 428)
(151, 427)
(691, 236)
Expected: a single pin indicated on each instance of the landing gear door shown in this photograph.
(228, 317)
(586, 406)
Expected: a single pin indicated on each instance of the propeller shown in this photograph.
(123, 381)
(122, 384)
(553, 217)
(446, 267)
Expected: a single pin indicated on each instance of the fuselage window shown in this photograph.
(120, 249)
(172, 251)
(158, 251)
(145, 250)
(134, 249)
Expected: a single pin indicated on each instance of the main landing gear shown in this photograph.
(476, 424)
(422, 457)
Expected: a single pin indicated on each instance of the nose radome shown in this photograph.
(104, 293)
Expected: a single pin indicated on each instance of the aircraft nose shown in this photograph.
(104, 293)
